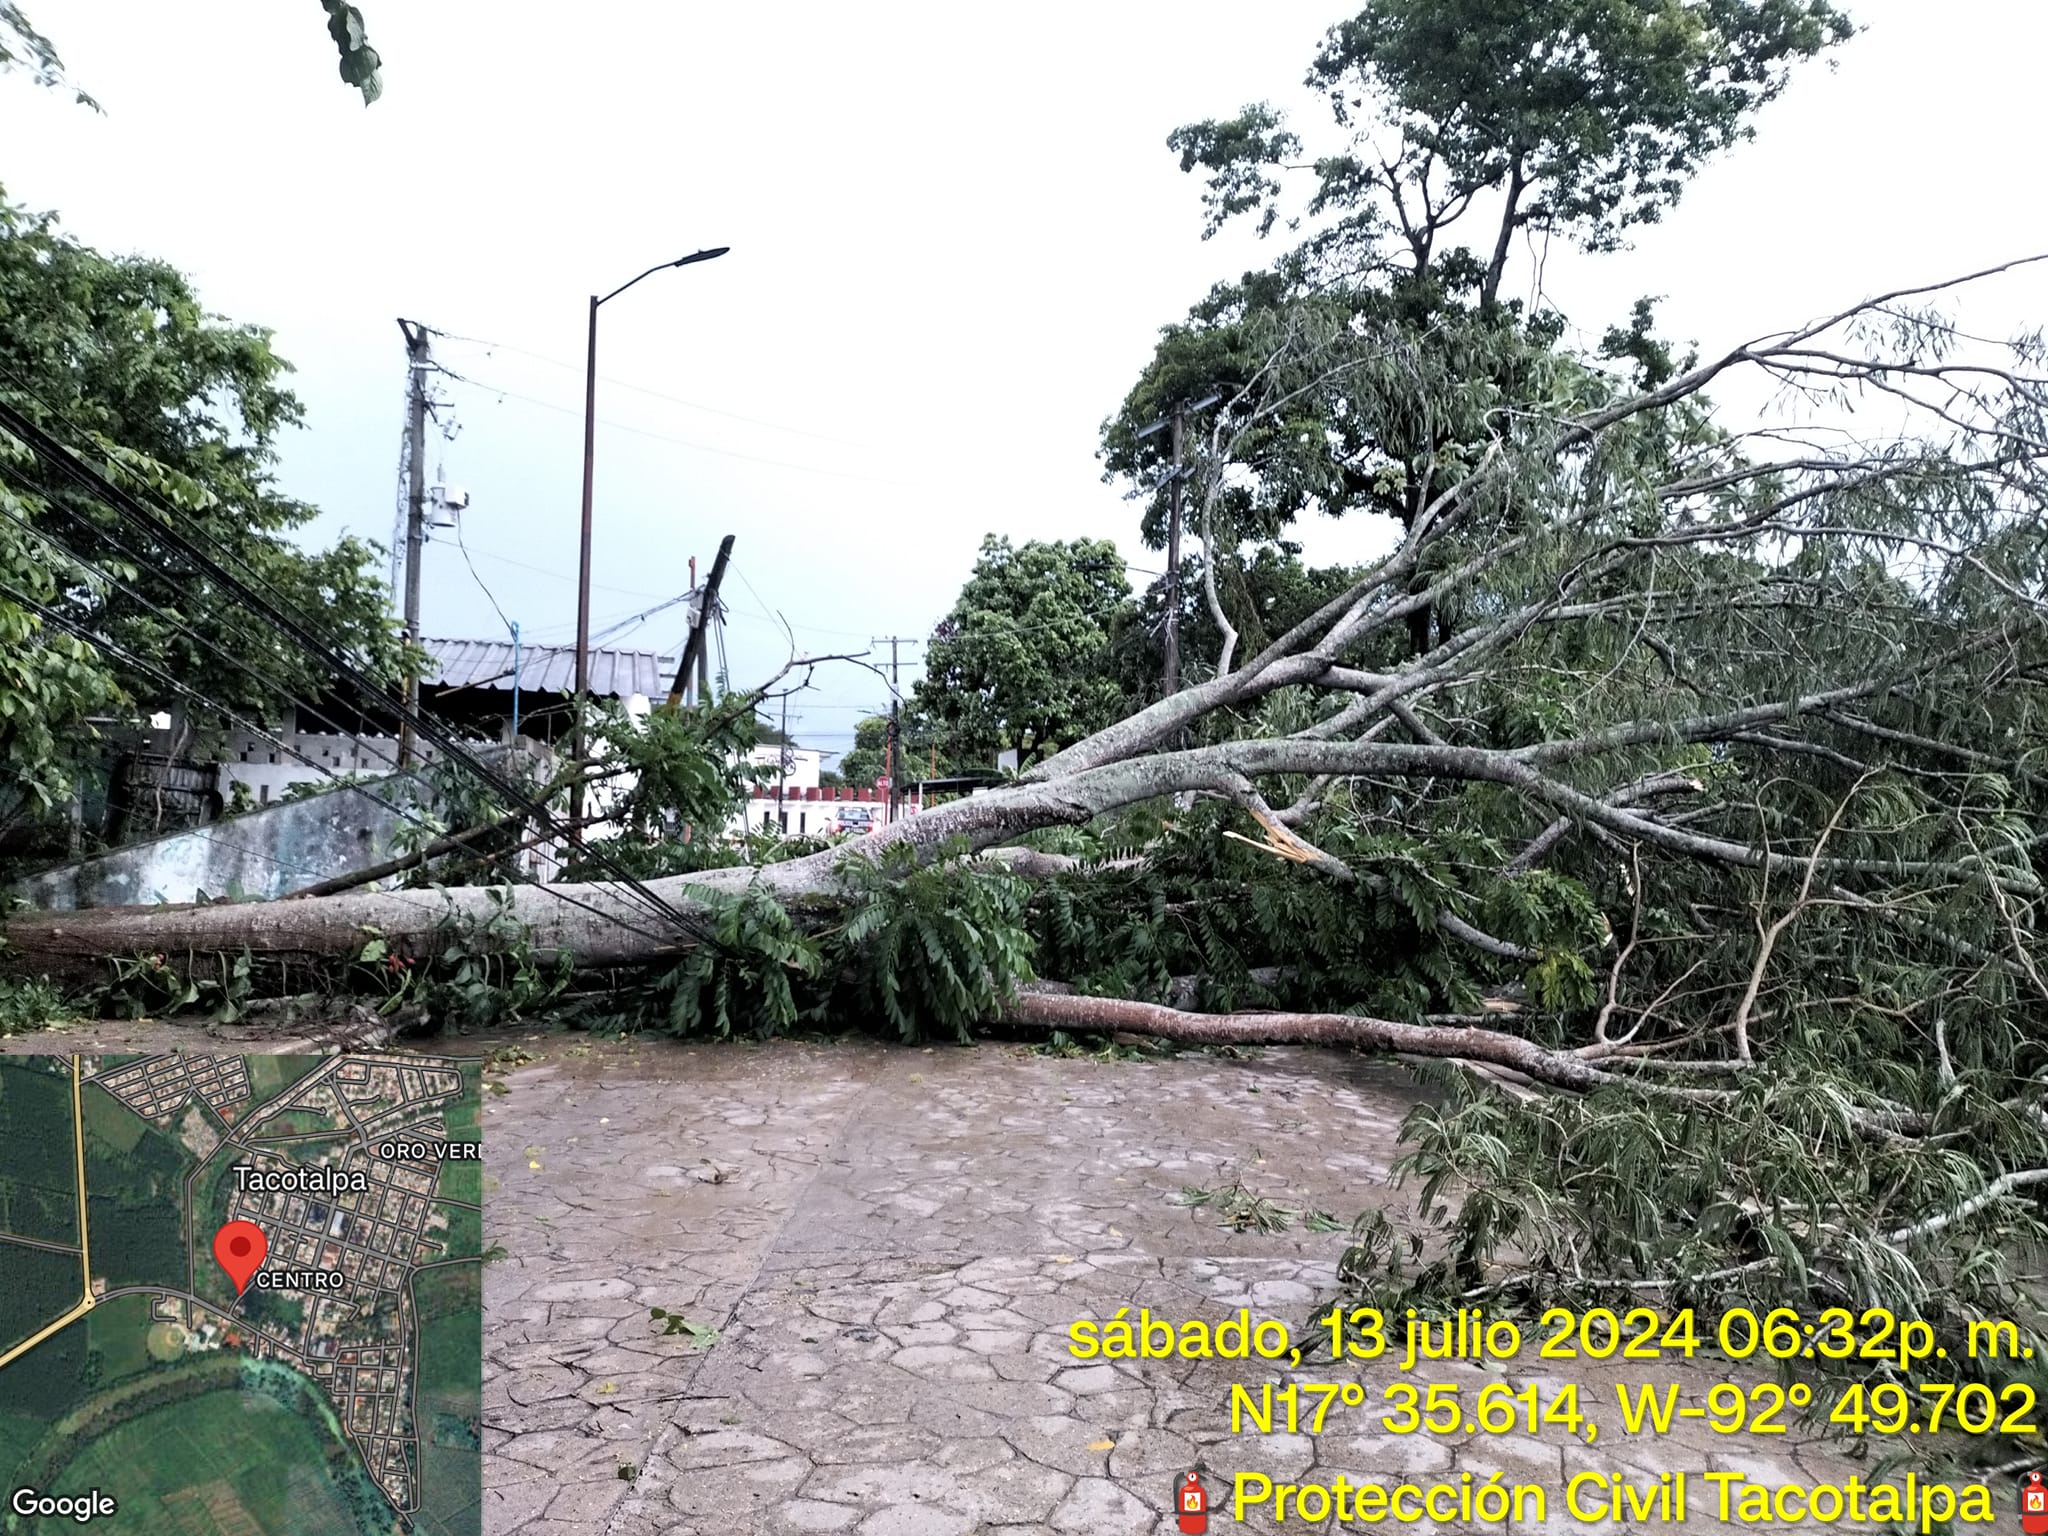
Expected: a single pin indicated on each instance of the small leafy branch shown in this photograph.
(675, 1323)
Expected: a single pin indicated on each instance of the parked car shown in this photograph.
(857, 820)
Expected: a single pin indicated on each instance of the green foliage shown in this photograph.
(116, 357)
(685, 773)
(1238, 1209)
(30, 1003)
(1712, 1207)
(359, 61)
(482, 970)
(50, 681)
(1376, 357)
(1264, 591)
(672, 1323)
(1023, 659)
(1260, 932)
(750, 979)
(868, 759)
(926, 950)
(933, 948)
(23, 47)
(923, 751)
(1597, 114)
(149, 985)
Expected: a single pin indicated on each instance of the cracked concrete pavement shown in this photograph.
(892, 1245)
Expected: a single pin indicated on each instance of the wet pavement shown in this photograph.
(869, 1260)
(891, 1246)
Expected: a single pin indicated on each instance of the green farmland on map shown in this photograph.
(339, 1393)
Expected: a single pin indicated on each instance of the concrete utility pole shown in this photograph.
(416, 352)
(1173, 559)
(1176, 481)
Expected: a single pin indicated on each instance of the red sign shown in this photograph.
(2034, 1504)
(239, 1248)
(1191, 1503)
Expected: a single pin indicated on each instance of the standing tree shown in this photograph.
(115, 357)
(867, 760)
(1023, 660)
(921, 748)
(1578, 119)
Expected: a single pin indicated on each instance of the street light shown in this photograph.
(583, 563)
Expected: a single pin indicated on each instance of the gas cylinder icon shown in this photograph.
(1191, 1503)
(2034, 1504)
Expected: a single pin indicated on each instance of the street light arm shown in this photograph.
(685, 261)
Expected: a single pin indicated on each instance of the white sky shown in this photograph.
(955, 232)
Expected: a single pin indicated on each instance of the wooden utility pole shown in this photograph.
(782, 769)
(416, 350)
(895, 757)
(694, 649)
(708, 617)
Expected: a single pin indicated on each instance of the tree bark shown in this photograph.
(1048, 1009)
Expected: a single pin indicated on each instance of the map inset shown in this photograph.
(339, 1393)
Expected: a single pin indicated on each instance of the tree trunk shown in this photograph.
(596, 923)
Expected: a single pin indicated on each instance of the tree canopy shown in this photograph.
(116, 358)
(1379, 342)
(1022, 662)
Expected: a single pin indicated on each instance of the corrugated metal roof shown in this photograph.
(486, 665)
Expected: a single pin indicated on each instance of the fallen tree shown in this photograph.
(1672, 790)
(1699, 708)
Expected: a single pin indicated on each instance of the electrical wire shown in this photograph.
(404, 812)
(68, 463)
(558, 575)
(54, 452)
(487, 592)
(642, 389)
(129, 658)
(681, 442)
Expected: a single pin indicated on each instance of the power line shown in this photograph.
(149, 668)
(118, 499)
(642, 389)
(120, 653)
(558, 575)
(487, 592)
(681, 442)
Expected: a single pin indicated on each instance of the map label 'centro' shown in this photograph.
(298, 1280)
(301, 1181)
(423, 1151)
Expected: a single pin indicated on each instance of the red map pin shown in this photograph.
(239, 1248)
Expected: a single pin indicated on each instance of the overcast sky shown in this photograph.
(955, 231)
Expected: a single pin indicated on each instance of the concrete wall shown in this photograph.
(267, 770)
(263, 854)
(260, 855)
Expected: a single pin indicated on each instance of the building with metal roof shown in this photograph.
(496, 666)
